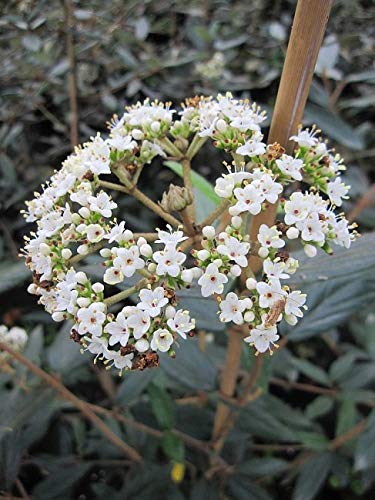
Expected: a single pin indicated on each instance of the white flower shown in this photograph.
(119, 361)
(181, 323)
(96, 345)
(96, 156)
(249, 199)
(128, 260)
(162, 340)
(94, 233)
(139, 320)
(91, 319)
(275, 270)
(269, 293)
(342, 234)
(268, 187)
(305, 138)
(16, 337)
(116, 233)
(152, 301)
(297, 208)
(251, 148)
(82, 193)
(294, 301)
(270, 237)
(212, 281)
(169, 261)
(337, 190)
(170, 237)
(232, 308)
(118, 330)
(263, 338)
(311, 228)
(224, 186)
(102, 204)
(122, 142)
(112, 276)
(235, 250)
(290, 166)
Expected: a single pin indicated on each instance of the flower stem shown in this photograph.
(195, 146)
(118, 297)
(78, 403)
(216, 213)
(169, 147)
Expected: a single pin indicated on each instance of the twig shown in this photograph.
(118, 297)
(186, 174)
(366, 200)
(81, 405)
(303, 387)
(21, 489)
(352, 433)
(72, 77)
(215, 214)
(253, 377)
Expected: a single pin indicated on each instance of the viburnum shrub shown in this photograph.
(76, 216)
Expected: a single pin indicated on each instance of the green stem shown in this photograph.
(195, 146)
(215, 214)
(169, 147)
(118, 297)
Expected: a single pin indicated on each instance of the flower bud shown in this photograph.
(233, 211)
(66, 253)
(310, 250)
(292, 233)
(81, 277)
(170, 312)
(235, 271)
(203, 254)
(141, 241)
(142, 345)
(218, 262)
(221, 125)
(58, 316)
(105, 252)
(209, 232)
(83, 249)
(187, 275)
(236, 221)
(152, 267)
(249, 316)
(83, 301)
(263, 252)
(176, 199)
(84, 212)
(155, 126)
(145, 250)
(251, 283)
(247, 302)
(76, 219)
(197, 272)
(128, 235)
(98, 287)
(137, 134)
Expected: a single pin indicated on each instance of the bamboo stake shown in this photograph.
(306, 37)
(308, 28)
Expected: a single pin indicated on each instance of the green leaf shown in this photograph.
(313, 440)
(243, 488)
(173, 447)
(334, 126)
(364, 457)
(192, 368)
(331, 296)
(135, 382)
(267, 466)
(312, 477)
(12, 274)
(319, 407)
(162, 406)
(60, 482)
(197, 180)
(311, 371)
(346, 416)
(341, 366)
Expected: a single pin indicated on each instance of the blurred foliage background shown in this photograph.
(316, 389)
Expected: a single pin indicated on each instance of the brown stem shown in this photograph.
(72, 77)
(303, 387)
(186, 174)
(81, 405)
(352, 433)
(253, 377)
(215, 214)
(305, 40)
(228, 383)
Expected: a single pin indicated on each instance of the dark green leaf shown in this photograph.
(364, 457)
(162, 406)
(319, 406)
(173, 446)
(312, 477)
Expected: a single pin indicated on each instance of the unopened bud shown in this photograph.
(176, 199)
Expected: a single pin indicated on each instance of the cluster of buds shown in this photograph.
(14, 337)
(75, 217)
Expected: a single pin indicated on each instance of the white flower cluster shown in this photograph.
(15, 337)
(74, 217)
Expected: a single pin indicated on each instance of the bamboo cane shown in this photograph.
(306, 37)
